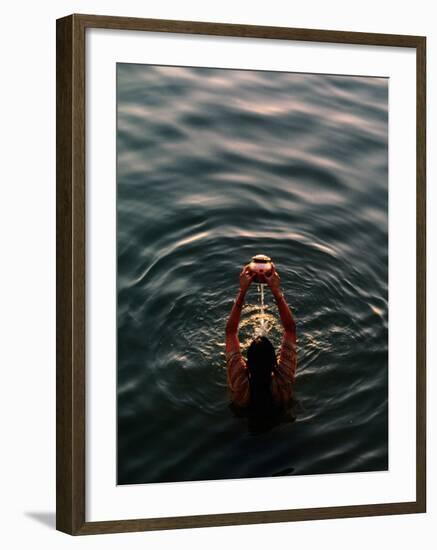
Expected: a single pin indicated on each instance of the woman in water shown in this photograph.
(262, 385)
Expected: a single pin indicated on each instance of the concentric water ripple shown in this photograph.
(213, 167)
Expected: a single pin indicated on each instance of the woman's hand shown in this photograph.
(273, 280)
(246, 277)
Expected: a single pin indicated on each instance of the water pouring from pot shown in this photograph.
(262, 266)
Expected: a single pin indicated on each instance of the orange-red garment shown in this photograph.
(282, 379)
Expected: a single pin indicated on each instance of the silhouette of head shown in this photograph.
(261, 362)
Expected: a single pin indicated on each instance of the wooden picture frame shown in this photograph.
(71, 253)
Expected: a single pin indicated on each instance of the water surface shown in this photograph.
(214, 166)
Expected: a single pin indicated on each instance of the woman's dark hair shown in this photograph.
(261, 362)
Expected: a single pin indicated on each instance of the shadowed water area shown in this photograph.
(214, 166)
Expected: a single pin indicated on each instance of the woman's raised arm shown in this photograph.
(246, 277)
(287, 358)
(287, 320)
(238, 381)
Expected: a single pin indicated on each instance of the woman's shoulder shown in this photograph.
(282, 388)
(234, 356)
(238, 381)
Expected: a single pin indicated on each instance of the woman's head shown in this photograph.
(261, 360)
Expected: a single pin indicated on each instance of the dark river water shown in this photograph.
(214, 166)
